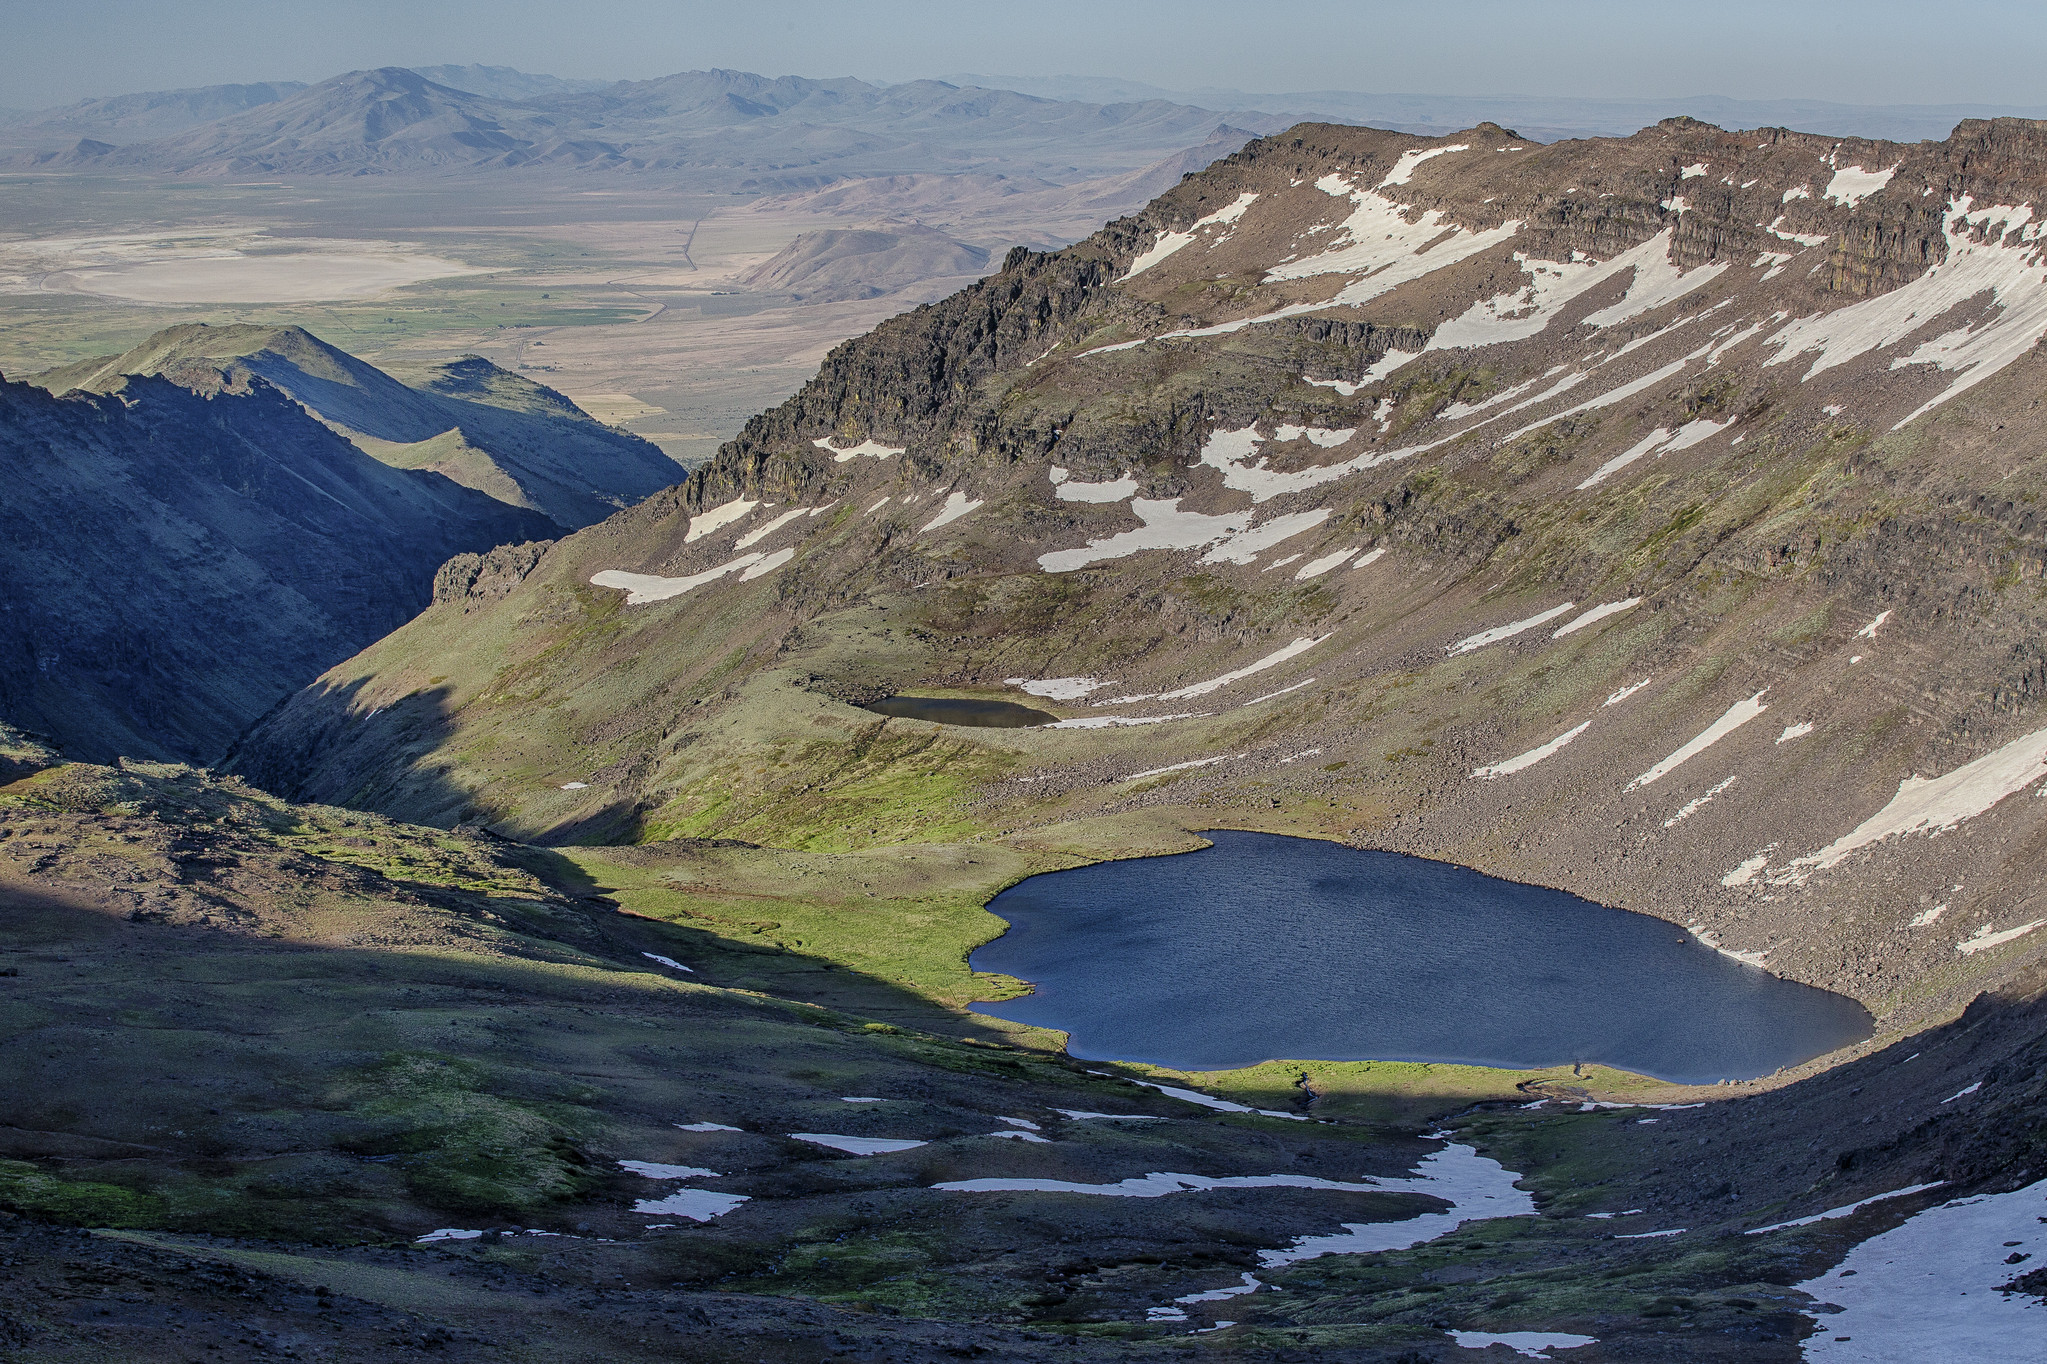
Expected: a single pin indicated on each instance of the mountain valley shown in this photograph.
(579, 968)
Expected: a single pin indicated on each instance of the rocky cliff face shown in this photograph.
(173, 565)
(1653, 518)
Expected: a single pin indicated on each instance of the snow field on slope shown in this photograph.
(716, 518)
(2006, 263)
(1169, 243)
(1927, 1290)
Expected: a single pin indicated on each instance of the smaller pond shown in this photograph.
(948, 710)
(1265, 947)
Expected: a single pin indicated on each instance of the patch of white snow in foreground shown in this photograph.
(870, 447)
(1935, 806)
(1531, 757)
(1507, 631)
(955, 507)
(715, 518)
(1797, 731)
(669, 962)
(1625, 692)
(648, 1169)
(1155, 1185)
(1699, 804)
(1738, 714)
(860, 1099)
(575, 786)
(858, 1146)
(1476, 1187)
(1271, 660)
(1869, 631)
(698, 1205)
(1082, 1115)
(1928, 1290)
(1532, 1344)
(447, 1234)
(1597, 614)
(1831, 1213)
(1058, 688)
(707, 1127)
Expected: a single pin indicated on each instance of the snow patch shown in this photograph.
(858, 1146)
(641, 588)
(1852, 184)
(1984, 939)
(1476, 1188)
(956, 506)
(1059, 688)
(706, 1127)
(1315, 568)
(1531, 757)
(1183, 767)
(1507, 631)
(1118, 721)
(1169, 243)
(668, 962)
(1846, 1210)
(2004, 263)
(698, 1205)
(716, 518)
(1530, 1344)
(1597, 614)
(871, 448)
(1737, 715)
(1114, 490)
(648, 1169)
(1936, 805)
(1869, 631)
(760, 533)
(1697, 805)
(1625, 692)
(1403, 169)
(1271, 660)
(1928, 1289)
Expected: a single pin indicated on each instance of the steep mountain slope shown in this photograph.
(173, 565)
(1652, 519)
(480, 426)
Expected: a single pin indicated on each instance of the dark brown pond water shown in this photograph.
(947, 710)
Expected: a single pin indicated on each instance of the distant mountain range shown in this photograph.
(1543, 118)
(721, 126)
(790, 133)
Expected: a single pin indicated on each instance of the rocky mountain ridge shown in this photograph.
(480, 426)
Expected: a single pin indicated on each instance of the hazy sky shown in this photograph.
(1864, 52)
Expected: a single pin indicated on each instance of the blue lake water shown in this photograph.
(1265, 947)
